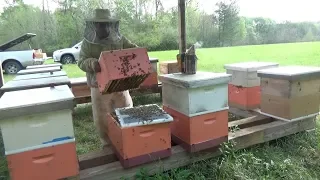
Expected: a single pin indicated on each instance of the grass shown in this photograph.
(292, 157)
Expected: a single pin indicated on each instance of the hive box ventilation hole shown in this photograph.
(123, 69)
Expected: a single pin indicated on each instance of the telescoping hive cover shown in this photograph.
(141, 115)
(123, 69)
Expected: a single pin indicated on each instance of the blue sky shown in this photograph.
(279, 10)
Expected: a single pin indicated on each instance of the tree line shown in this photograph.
(148, 24)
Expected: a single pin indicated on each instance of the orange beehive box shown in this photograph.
(50, 162)
(140, 134)
(244, 97)
(123, 69)
(153, 77)
(199, 132)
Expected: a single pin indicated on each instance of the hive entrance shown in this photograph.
(141, 115)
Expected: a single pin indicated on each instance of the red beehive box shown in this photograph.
(199, 132)
(244, 97)
(153, 77)
(123, 69)
(50, 163)
(136, 140)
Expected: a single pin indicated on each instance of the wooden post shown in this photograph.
(182, 25)
(1, 76)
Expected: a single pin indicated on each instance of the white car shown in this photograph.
(67, 55)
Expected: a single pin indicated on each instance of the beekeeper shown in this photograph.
(102, 34)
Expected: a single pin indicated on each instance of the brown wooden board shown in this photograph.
(39, 70)
(254, 130)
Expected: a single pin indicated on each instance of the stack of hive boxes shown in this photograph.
(290, 92)
(199, 105)
(244, 87)
(138, 134)
(37, 128)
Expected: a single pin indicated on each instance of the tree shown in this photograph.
(226, 17)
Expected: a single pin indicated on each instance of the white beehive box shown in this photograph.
(39, 70)
(245, 73)
(195, 94)
(30, 118)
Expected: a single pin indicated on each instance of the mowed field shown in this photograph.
(292, 157)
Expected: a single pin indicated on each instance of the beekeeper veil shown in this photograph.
(102, 28)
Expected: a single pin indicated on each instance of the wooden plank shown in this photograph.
(250, 121)
(243, 138)
(182, 26)
(242, 113)
(1, 76)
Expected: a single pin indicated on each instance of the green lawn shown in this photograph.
(292, 157)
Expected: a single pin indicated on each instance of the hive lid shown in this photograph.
(142, 115)
(45, 66)
(35, 83)
(41, 100)
(153, 60)
(200, 79)
(291, 72)
(39, 70)
(250, 66)
(40, 75)
(79, 81)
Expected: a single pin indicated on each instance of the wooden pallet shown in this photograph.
(252, 130)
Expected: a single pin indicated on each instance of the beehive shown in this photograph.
(34, 83)
(244, 87)
(45, 66)
(290, 92)
(123, 69)
(39, 70)
(169, 67)
(152, 79)
(80, 87)
(40, 75)
(41, 123)
(140, 134)
(195, 94)
(199, 132)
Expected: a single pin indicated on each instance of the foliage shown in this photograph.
(141, 23)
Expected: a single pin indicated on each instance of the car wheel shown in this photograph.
(12, 67)
(67, 59)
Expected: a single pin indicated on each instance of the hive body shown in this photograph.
(137, 142)
(290, 92)
(244, 87)
(43, 131)
(152, 79)
(199, 105)
(123, 69)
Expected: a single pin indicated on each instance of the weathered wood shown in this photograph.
(182, 26)
(134, 92)
(1, 76)
(168, 67)
(250, 121)
(242, 113)
(243, 138)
